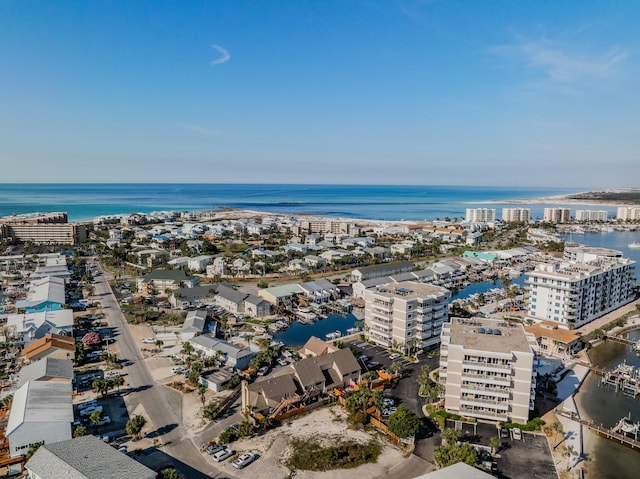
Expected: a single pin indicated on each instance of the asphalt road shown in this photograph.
(162, 406)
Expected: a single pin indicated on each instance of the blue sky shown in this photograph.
(540, 93)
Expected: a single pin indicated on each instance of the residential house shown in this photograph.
(281, 296)
(237, 302)
(208, 345)
(554, 341)
(51, 346)
(314, 262)
(307, 378)
(199, 263)
(47, 369)
(215, 379)
(41, 411)
(195, 323)
(320, 291)
(45, 294)
(85, 457)
(376, 271)
(316, 347)
(160, 280)
(197, 296)
(151, 257)
(29, 327)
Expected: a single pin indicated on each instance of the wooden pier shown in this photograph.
(609, 433)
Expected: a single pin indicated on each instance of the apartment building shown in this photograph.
(557, 215)
(516, 215)
(404, 315)
(628, 213)
(480, 215)
(573, 293)
(486, 369)
(45, 233)
(591, 215)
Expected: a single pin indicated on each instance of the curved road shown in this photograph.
(162, 406)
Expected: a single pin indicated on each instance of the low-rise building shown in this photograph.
(29, 327)
(236, 357)
(51, 346)
(195, 323)
(85, 457)
(41, 411)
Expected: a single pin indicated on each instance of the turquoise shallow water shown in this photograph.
(85, 201)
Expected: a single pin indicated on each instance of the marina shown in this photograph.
(625, 378)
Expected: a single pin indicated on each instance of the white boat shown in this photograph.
(634, 245)
(626, 426)
(334, 335)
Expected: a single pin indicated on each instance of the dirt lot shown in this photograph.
(325, 424)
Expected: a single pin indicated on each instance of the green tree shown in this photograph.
(95, 417)
(117, 381)
(168, 473)
(100, 386)
(359, 401)
(80, 431)
(450, 452)
(423, 378)
(211, 410)
(403, 423)
(495, 443)
(33, 448)
(134, 426)
(395, 367)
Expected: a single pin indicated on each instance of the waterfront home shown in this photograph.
(281, 296)
(316, 347)
(237, 302)
(379, 270)
(554, 341)
(197, 296)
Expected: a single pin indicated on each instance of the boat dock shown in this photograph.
(612, 434)
(625, 378)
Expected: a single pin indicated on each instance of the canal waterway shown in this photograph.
(607, 459)
(298, 333)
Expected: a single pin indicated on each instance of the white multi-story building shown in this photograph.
(572, 293)
(628, 213)
(404, 315)
(591, 215)
(486, 368)
(480, 215)
(516, 214)
(557, 215)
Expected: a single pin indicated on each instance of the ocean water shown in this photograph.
(85, 201)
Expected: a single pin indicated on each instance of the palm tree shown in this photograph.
(568, 452)
(134, 426)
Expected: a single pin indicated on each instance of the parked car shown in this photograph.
(103, 421)
(244, 460)
(111, 374)
(389, 411)
(263, 370)
(517, 433)
(149, 341)
(388, 402)
(215, 448)
(373, 365)
(363, 358)
(177, 369)
(223, 454)
(85, 405)
(394, 356)
(90, 410)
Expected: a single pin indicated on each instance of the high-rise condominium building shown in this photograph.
(591, 215)
(557, 215)
(486, 368)
(572, 293)
(628, 213)
(405, 315)
(516, 214)
(480, 215)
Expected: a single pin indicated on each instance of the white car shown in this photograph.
(90, 410)
(223, 455)
(244, 460)
(517, 433)
(177, 369)
(111, 374)
(149, 341)
(394, 356)
(85, 405)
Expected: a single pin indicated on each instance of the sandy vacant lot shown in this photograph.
(325, 424)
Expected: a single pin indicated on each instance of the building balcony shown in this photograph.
(495, 415)
(482, 377)
(481, 365)
(469, 401)
(497, 392)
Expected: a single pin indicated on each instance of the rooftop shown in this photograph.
(480, 335)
